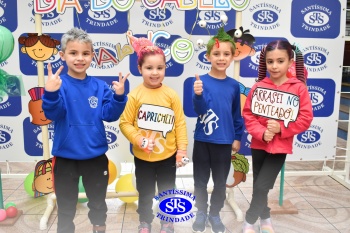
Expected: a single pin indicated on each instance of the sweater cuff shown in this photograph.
(51, 95)
(119, 98)
(198, 97)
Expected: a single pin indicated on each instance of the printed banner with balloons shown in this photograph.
(181, 29)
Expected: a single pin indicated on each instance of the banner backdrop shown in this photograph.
(316, 26)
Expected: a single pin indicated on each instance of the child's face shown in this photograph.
(277, 64)
(78, 57)
(220, 58)
(153, 70)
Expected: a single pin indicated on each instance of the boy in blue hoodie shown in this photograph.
(78, 104)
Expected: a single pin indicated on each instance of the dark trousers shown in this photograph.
(148, 174)
(266, 167)
(94, 174)
(215, 158)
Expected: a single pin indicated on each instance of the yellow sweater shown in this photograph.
(154, 113)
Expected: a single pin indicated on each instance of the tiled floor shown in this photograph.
(323, 204)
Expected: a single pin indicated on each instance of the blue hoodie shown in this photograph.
(78, 110)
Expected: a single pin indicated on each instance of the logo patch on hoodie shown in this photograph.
(93, 102)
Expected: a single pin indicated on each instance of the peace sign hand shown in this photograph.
(54, 81)
(118, 86)
(198, 85)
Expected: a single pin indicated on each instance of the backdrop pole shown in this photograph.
(1, 197)
(41, 83)
(282, 185)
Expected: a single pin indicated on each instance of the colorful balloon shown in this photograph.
(82, 190)
(9, 204)
(7, 43)
(11, 212)
(125, 184)
(112, 171)
(28, 184)
(3, 215)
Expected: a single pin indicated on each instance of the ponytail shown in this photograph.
(299, 64)
(262, 66)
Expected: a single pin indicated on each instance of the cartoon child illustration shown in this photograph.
(244, 47)
(34, 106)
(38, 47)
(244, 43)
(43, 183)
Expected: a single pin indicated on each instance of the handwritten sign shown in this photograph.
(156, 118)
(275, 104)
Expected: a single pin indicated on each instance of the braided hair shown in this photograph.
(282, 45)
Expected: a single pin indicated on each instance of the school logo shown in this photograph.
(322, 94)
(245, 142)
(202, 62)
(49, 19)
(249, 66)
(158, 18)
(175, 205)
(106, 21)
(112, 136)
(187, 98)
(8, 14)
(315, 58)
(10, 105)
(5, 137)
(309, 139)
(210, 122)
(315, 18)
(33, 144)
(93, 100)
(265, 16)
(212, 19)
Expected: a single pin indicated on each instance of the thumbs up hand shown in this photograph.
(198, 85)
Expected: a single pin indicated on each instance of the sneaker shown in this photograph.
(266, 226)
(248, 228)
(144, 227)
(167, 228)
(199, 224)
(216, 225)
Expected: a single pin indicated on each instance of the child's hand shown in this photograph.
(273, 126)
(236, 145)
(198, 85)
(268, 136)
(54, 81)
(181, 158)
(118, 86)
(146, 144)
